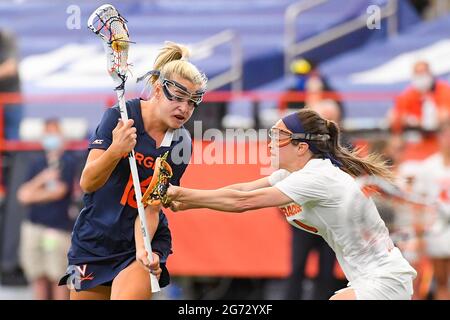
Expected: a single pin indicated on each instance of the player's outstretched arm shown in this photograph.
(249, 186)
(245, 186)
(227, 199)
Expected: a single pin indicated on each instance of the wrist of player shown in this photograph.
(143, 252)
(155, 267)
(142, 257)
(116, 152)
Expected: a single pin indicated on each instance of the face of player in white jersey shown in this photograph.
(283, 153)
(175, 104)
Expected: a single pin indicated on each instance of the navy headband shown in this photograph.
(293, 123)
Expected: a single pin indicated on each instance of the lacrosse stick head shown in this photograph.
(156, 192)
(110, 26)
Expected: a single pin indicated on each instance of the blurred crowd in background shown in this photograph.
(40, 197)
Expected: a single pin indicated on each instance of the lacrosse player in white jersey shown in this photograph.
(433, 182)
(316, 189)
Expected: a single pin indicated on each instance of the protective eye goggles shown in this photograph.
(283, 137)
(175, 91)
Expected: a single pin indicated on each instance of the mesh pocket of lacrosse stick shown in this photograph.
(156, 192)
(110, 26)
(107, 23)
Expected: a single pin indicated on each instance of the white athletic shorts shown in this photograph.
(386, 287)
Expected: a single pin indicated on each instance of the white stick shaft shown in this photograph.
(137, 191)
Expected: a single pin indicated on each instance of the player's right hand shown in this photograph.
(176, 206)
(172, 193)
(153, 267)
(124, 137)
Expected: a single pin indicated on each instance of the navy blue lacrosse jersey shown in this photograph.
(104, 229)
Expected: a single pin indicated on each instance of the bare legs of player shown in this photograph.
(346, 294)
(132, 283)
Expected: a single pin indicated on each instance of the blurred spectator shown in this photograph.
(309, 81)
(333, 111)
(329, 110)
(302, 70)
(404, 219)
(303, 243)
(10, 114)
(433, 182)
(409, 227)
(407, 174)
(391, 148)
(9, 83)
(422, 105)
(45, 235)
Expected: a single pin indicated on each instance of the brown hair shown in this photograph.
(352, 161)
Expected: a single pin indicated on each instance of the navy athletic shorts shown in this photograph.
(85, 276)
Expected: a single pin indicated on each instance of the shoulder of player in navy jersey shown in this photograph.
(113, 113)
(130, 104)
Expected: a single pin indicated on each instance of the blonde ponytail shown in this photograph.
(173, 60)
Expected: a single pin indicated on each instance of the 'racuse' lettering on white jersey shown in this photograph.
(328, 202)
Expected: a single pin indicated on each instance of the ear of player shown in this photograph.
(156, 192)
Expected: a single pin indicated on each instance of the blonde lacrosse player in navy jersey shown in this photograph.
(107, 258)
(315, 186)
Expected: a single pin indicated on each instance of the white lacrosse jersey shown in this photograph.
(433, 183)
(328, 202)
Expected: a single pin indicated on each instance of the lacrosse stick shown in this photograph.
(374, 185)
(111, 27)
